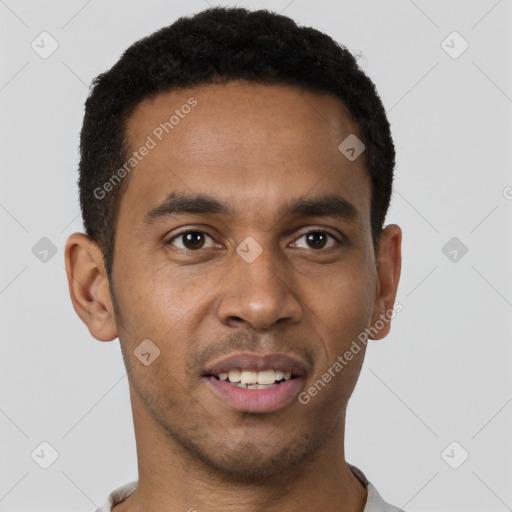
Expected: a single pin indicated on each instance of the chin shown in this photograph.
(252, 460)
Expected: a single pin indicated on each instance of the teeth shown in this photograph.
(266, 377)
(234, 375)
(261, 386)
(254, 386)
(249, 377)
(253, 379)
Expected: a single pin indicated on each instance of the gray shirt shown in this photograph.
(374, 503)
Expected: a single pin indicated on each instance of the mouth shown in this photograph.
(252, 383)
(246, 379)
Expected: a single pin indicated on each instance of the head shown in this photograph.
(240, 227)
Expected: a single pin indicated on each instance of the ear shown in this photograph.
(389, 264)
(88, 286)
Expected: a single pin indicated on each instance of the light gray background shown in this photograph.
(442, 375)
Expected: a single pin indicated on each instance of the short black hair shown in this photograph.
(220, 45)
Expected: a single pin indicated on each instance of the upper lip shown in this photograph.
(252, 361)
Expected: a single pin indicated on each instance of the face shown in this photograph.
(273, 269)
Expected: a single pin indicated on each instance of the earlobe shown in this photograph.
(388, 276)
(88, 286)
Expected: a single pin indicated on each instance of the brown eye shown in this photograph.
(317, 239)
(190, 240)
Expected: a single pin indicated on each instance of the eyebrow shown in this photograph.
(328, 205)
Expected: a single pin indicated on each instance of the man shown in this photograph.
(235, 174)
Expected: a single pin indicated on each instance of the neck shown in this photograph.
(171, 478)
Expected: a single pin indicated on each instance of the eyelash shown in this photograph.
(304, 233)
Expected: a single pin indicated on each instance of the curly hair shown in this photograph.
(218, 45)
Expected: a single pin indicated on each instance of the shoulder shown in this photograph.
(118, 496)
(374, 502)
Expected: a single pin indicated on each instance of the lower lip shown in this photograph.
(256, 400)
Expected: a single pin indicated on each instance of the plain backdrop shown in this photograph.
(430, 420)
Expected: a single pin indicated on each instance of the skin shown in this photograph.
(255, 147)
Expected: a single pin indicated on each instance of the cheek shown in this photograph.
(162, 307)
(343, 305)
(157, 298)
(341, 320)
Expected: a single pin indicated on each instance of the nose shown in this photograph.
(259, 294)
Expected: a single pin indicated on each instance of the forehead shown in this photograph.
(255, 146)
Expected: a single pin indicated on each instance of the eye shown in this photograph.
(317, 239)
(191, 240)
